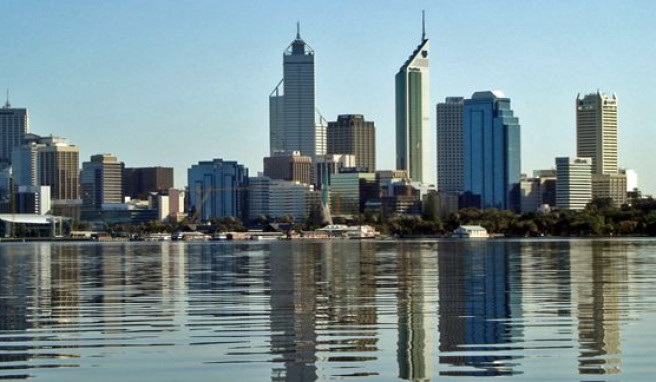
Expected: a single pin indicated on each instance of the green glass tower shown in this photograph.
(413, 115)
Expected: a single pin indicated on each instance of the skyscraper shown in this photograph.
(449, 145)
(413, 115)
(351, 134)
(292, 124)
(491, 151)
(217, 189)
(59, 167)
(596, 138)
(14, 124)
(596, 131)
(101, 181)
(139, 182)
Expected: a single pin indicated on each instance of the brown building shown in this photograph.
(138, 182)
(291, 166)
(59, 168)
(351, 134)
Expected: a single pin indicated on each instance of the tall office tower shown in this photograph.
(291, 166)
(351, 134)
(596, 131)
(14, 124)
(59, 167)
(217, 189)
(139, 182)
(573, 183)
(449, 145)
(413, 115)
(292, 124)
(24, 161)
(491, 151)
(101, 181)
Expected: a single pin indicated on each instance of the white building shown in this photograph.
(573, 183)
(275, 198)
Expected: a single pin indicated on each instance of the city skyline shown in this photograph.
(113, 89)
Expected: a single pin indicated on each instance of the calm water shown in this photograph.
(300, 311)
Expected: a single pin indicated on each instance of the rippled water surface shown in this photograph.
(547, 310)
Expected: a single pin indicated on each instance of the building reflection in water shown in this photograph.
(293, 284)
(478, 298)
(600, 275)
(322, 289)
(416, 310)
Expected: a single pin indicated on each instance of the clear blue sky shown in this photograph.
(173, 82)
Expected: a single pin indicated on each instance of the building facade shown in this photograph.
(14, 124)
(573, 183)
(292, 124)
(101, 181)
(217, 189)
(413, 115)
(290, 166)
(491, 151)
(596, 131)
(352, 134)
(139, 182)
(59, 167)
(449, 145)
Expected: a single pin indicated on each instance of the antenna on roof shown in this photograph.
(423, 25)
(7, 104)
(298, 30)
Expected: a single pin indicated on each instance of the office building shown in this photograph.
(217, 189)
(290, 166)
(59, 167)
(449, 145)
(14, 124)
(352, 134)
(610, 186)
(596, 131)
(101, 181)
(413, 115)
(491, 152)
(292, 124)
(139, 182)
(24, 161)
(349, 191)
(574, 183)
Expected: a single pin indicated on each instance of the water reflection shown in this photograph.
(478, 298)
(303, 311)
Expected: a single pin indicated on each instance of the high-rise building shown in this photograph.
(574, 183)
(596, 131)
(292, 124)
(351, 134)
(217, 189)
(24, 161)
(14, 124)
(139, 182)
(491, 151)
(449, 145)
(413, 115)
(101, 181)
(59, 167)
(275, 198)
(291, 166)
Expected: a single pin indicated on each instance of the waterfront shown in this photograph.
(297, 311)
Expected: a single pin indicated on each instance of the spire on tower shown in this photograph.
(7, 104)
(423, 25)
(298, 30)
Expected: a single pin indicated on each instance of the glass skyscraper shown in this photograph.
(292, 124)
(14, 124)
(217, 189)
(413, 115)
(491, 151)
